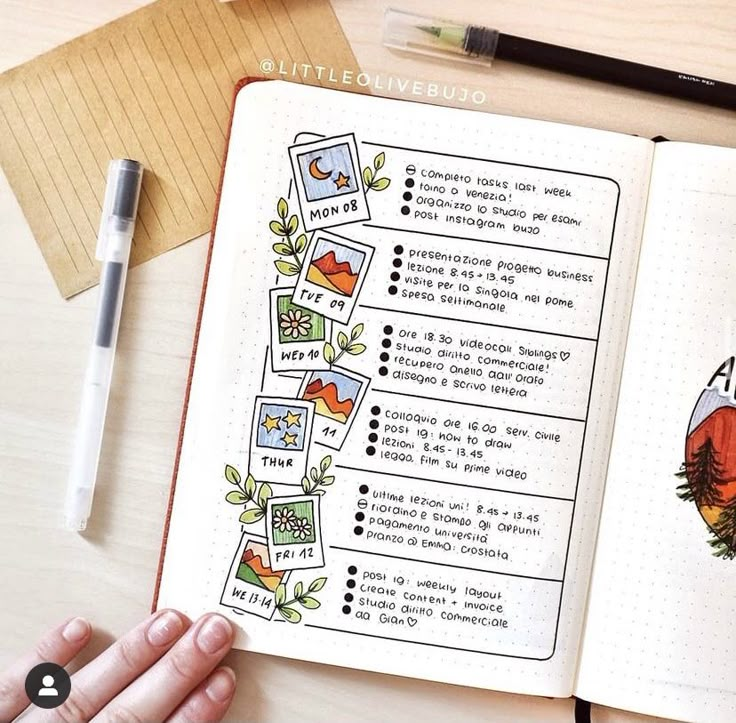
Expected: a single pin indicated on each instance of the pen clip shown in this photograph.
(107, 205)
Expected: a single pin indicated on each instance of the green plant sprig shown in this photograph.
(251, 491)
(286, 607)
(369, 175)
(318, 478)
(346, 346)
(291, 249)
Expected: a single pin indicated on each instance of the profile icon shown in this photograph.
(48, 685)
(48, 689)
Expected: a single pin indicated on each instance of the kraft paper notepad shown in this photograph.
(155, 85)
(463, 404)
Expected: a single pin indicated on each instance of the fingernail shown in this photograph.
(221, 685)
(164, 629)
(214, 634)
(75, 630)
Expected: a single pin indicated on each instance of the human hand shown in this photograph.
(160, 670)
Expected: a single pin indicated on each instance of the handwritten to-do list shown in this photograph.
(484, 304)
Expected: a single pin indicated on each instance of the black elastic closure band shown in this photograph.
(582, 711)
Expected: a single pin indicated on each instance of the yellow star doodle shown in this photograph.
(271, 423)
(292, 419)
(288, 439)
(342, 180)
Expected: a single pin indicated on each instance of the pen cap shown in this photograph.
(439, 38)
(120, 206)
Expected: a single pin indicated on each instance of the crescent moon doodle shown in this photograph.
(316, 172)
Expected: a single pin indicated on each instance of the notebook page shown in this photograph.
(424, 356)
(660, 636)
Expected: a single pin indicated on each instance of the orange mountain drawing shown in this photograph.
(326, 401)
(330, 274)
(254, 570)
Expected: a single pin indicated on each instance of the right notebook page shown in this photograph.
(661, 630)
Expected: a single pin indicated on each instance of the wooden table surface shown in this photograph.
(108, 574)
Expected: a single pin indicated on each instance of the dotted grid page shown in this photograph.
(660, 636)
(404, 388)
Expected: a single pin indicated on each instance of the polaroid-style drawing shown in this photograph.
(332, 275)
(337, 395)
(293, 531)
(251, 582)
(279, 444)
(298, 334)
(328, 182)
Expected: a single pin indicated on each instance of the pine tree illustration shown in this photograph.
(725, 527)
(704, 475)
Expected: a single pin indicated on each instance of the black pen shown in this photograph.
(479, 44)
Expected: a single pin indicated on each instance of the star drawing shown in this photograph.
(271, 423)
(292, 419)
(289, 439)
(342, 180)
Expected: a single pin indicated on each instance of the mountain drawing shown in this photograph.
(327, 401)
(720, 428)
(331, 274)
(255, 567)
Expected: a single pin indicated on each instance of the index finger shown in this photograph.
(104, 677)
(59, 646)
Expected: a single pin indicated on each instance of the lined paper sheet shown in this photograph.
(156, 86)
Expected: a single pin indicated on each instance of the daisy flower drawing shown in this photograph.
(302, 529)
(295, 323)
(284, 519)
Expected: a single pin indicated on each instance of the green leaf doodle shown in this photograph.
(293, 616)
(280, 595)
(300, 244)
(318, 477)
(306, 600)
(232, 475)
(317, 584)
(247, 493)
(369, 175)
(263, 494)
(345, 345)
(278, 228)
(290, 250)
(252, 515)
(282, 249)
(286, 267)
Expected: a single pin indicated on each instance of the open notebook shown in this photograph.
(463, 403)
